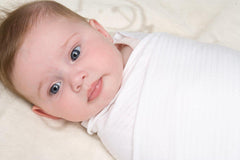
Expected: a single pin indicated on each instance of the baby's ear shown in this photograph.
(100, 29)
(39, 111)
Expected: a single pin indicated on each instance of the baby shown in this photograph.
(152, 96)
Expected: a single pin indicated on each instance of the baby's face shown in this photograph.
(69, 69)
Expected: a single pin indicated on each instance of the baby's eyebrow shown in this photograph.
(64, 45)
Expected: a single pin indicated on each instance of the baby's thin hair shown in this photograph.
(14, 26)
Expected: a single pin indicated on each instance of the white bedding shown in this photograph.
(23, 135)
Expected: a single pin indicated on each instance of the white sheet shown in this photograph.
(26, 136)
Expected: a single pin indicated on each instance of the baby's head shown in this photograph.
(65, 66)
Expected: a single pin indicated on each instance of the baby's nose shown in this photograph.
(77, 80)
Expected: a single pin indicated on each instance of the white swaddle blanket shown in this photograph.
(189, 108)
(179, 100)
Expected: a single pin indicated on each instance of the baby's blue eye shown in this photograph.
(75, 53)
(55, 88)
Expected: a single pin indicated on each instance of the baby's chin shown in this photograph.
(109, 98)
(98, 104)
(105, 103)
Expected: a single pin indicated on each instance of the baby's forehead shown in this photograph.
(45, 28)
(48, 35)
(49, 24)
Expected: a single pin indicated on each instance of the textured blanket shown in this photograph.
(190, 101)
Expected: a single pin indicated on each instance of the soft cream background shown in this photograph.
(26, 136)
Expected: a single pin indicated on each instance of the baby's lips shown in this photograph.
(95, 89)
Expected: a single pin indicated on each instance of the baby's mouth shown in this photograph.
(95, 89)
